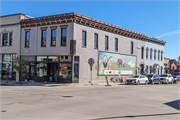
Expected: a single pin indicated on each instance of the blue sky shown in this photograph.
(153, 18)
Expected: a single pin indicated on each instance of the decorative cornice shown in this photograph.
(53, 27)
(27, 30)
(63, 26)
(87, 21)
(43, 28)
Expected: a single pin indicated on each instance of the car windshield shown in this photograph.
(174, 76)
(134, 76)
(163, 75)
(149, 76)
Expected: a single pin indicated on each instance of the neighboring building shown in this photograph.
(166, 65)
(173, 66)
(10, 32)
(154, 56)
(47, 43)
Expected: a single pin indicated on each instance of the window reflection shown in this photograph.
(41, 69)
(65, 70)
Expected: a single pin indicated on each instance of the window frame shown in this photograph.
(116, 44)
(3, 39)
(62, 36)
(26, 38)
(154, 54)
(84, 39)
(10, 38)
(106, 42)
(147, 49)
(158, 54)
(132, 47)
(52, 37)
(151, 53)
(96, 40)
(42, 37)
(142, 52)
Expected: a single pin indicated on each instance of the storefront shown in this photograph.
(6, 66)
(63, 69)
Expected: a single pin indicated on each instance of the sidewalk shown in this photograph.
(51, 84)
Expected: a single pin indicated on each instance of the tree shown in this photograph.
(21, 67)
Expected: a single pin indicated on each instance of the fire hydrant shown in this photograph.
(107, 80)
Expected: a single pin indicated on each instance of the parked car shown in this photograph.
(153, 78)
(176, 78)
(166, 78)
(137, 79)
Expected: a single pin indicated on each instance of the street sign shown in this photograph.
(91, 62)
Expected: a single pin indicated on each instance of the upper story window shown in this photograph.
(43, 38)
(132, 47)
(27, 38)
(0, 39)
(151, 53)
(95, 41)
(83, 38)
(10, 38)
(5, 39)
(116, 44)
(106, 42)
(158, 54)
(53, 37)
(161, 55)
(142, 52)
(155, 54)
(63, 36)
(147, 49)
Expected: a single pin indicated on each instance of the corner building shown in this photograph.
(58, 48)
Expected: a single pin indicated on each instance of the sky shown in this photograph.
(151, 17)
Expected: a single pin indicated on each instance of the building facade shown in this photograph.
(154, 56)
(10, 32)
(59, 48)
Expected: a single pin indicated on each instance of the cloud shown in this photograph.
(169, 33)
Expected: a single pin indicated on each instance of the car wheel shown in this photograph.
(138, 83)
(146, 82)
(167, 82)
(153, 82)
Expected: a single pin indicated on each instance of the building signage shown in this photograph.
(113, 63)
(7, 58)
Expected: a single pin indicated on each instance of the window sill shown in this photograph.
(52, 46)
(42, 46)
(26, 47)
(84, 46)
(116, 50)
(63, 45)
(106, 49)
(96, 48)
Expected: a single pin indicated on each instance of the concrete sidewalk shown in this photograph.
(49, 84)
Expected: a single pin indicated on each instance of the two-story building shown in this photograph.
(59, 48)
(10, 32)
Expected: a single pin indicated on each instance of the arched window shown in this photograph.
(151, 53)
(147, 49)
(158, 54)
(155, 54)
(161, 55)
(161, 69)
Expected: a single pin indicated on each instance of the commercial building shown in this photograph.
(59, 48)
(10, 31)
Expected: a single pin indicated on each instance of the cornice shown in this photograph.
(87, 21)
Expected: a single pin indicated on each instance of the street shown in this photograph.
(120, 102)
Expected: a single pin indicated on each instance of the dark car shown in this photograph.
(176, 78)
(153, 78)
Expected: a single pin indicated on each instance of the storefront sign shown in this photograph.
(7, 57)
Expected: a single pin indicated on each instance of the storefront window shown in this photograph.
(41, 69)
(65, 70)
(76, 71)
(41, 58)
(53, 58)
(14, 63)
(6, 66)
(65, 58)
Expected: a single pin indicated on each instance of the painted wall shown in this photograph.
(87, 52)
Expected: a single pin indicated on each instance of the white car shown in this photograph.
(137, 79)
(166, 78)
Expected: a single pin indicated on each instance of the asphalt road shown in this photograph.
(121, 102)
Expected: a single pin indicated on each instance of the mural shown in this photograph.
(112, 63)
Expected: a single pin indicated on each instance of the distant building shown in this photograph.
(10, 31)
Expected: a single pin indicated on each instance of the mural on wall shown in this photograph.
(112, 63)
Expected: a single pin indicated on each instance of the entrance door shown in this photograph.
(52, 71)
(31, 76)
